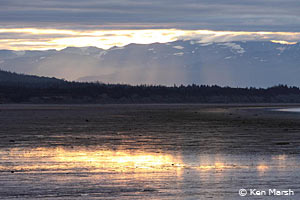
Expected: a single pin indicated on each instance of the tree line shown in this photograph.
(20, 88)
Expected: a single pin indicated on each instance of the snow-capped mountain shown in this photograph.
(241, 64)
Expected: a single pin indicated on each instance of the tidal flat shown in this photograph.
(148, 151)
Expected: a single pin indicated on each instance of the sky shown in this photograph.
(56, 24)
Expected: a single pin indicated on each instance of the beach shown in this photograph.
(162, 151)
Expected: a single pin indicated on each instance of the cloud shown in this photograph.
(234, 15)
(32, 38)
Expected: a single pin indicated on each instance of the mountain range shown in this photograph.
(235, 64)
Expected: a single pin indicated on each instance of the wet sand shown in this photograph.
(147, 151)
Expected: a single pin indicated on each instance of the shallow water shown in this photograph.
(74, 173)
(124, 152)
(289, 109)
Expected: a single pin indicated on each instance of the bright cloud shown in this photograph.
(283, 42)
(35, 38)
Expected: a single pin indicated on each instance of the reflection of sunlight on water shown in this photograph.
(288, 109)
(91, 160)
(70, 159)
(216, 166)
(284, 163)
(262, 167)
(116, 159)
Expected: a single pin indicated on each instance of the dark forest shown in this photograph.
(20, 88)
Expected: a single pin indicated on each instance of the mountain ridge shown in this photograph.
(240, 63)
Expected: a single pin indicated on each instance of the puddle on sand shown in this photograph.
(71, 173)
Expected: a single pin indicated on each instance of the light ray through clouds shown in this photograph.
(40, 39)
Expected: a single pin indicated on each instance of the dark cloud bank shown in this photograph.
(254, 15)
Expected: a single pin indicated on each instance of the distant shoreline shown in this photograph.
(19, 88)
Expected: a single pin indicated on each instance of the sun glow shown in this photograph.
(37, 38)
